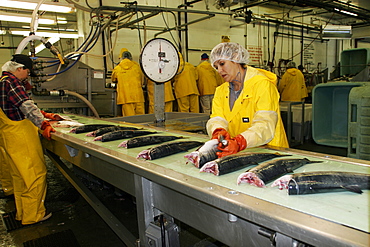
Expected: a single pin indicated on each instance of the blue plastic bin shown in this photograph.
(353, 61)
(330, 113)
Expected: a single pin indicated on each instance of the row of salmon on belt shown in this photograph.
(266, 167)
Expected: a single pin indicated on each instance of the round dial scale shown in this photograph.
(159, 60)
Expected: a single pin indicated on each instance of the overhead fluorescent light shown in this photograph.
(29, 4)
(337, 32)
(41, 47)
(48, 34)
(345, 12)
(24, 18)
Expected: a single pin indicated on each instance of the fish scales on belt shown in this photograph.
(204, 154)
(166, 149)
(89, 127)
(122, 134)
(236, 162)
(104, 130)
(147, 140)
(323, 181)
(267, 171)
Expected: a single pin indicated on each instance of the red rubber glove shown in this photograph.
(51, 116)
(46, 127)
(220, 131)
(233, 146)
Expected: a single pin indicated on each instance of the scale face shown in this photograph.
(159, 60)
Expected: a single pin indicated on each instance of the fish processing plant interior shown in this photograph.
(103, 191)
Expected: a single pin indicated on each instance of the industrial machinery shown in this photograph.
(74, 86)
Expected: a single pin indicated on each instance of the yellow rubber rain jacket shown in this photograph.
(186, 83)
(208, 79)
(25, 159)
(130, 81)
(168, 96)
(256, 112)
(292, 86)
(168, 92)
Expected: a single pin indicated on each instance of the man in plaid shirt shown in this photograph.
(23, 170)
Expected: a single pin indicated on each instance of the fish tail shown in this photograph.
(353, 188)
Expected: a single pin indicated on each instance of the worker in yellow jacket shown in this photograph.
(245, 110)
(208, 80)
(129, 78)
(23, 170)
(168, 96)
(292, 86)
(186, 90)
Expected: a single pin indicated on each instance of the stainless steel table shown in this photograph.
(237, 215)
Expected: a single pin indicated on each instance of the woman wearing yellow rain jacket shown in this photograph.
(129, 80)
(246, 110)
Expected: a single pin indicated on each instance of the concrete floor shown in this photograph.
(71, 211)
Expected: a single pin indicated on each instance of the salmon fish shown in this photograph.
(122, 134)
(323, 181)
(147, 140)
(102, 131)
(204, 154)
(166, 149)
(236, 162)
(88, 128)
(267, 171)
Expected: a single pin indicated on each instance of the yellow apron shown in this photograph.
(25, 159)
(5, 176)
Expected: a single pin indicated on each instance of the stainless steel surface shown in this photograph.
(204, 203)
(185, 121)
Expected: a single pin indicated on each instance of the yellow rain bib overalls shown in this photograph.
(22, 157)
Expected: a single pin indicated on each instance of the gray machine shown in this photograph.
(76, 88)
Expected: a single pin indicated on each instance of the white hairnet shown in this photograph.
(229, 51)
(11, 66)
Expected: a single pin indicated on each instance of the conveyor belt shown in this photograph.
(264, 206)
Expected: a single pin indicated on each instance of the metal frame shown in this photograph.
(234, 218)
